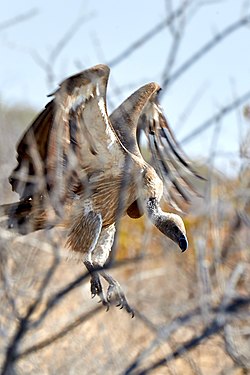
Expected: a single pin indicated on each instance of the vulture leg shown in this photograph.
(98, 257)
(115, 293)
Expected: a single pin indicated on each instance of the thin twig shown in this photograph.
(23, 325)
(204, 50)
(63, 332)
(48, 64)
(176, 41)
(147, 36)
(18, 19)
(216, 117)
(69, 34)
(214, 327)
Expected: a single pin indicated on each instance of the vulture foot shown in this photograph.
(115, 293)
(96, 289)
(95, 285)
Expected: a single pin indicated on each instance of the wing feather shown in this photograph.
(141, 114)
(72, 140)
(73, 143)
(23, 178)
(166, 154)
(73, 137)
(82, 138)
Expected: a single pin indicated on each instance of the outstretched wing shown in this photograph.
(72, 137)
(141, 114)
(71, 145)
(82, 144)
(167, 157)
(26, 178)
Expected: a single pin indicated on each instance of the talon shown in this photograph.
(96, 290)
(116, 294)
(110, 292)
(105, 303)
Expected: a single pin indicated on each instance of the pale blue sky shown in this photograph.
(113, 25)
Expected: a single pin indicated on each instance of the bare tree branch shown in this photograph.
(25, 322)
(205, 49)
(63, 332)
(18, 19)
(48, 64)
(176, 33)
(6, 283)
(214, 327)
(236, 347)
(23, 325)
(69, 34)
(172, 54)
(217, 117)
(149, 35)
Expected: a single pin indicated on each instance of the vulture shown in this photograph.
(81, 169)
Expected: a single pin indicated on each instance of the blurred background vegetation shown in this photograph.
(191, 309)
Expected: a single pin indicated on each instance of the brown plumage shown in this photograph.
(81, 169)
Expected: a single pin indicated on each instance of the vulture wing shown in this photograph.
(140, 115)
(169, 160)
(31, 155)
(71, 146)
(83, 146)
(72, 135)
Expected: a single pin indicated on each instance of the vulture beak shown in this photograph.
(183, 243)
